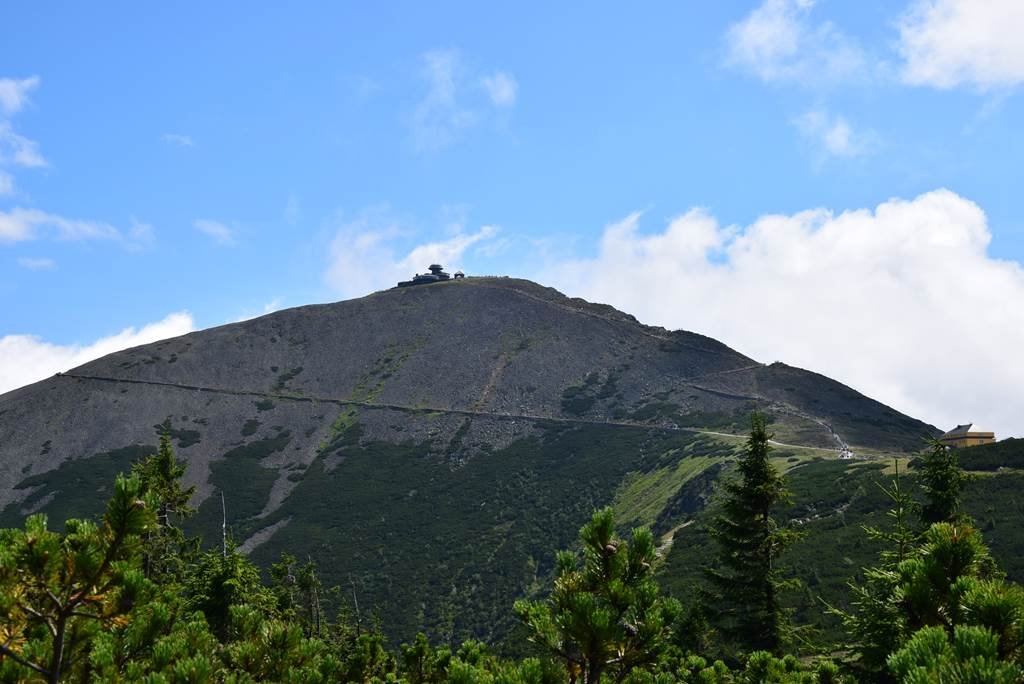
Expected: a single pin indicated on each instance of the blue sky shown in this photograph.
(217, 162)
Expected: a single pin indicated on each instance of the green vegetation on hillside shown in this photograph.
(492, 522)
(397, 520)
(245, 481)
(77, 488)
(126, 597)
(832, 501)
(1008, 453)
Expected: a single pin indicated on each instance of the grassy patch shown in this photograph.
(642, 496)
(372, 384)
(344, 431)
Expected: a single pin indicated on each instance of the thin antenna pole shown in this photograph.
(355, 600)
(223, 527)
(315, 598)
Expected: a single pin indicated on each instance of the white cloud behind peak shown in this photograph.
(891, 301)
(373, 252)
(25, 359)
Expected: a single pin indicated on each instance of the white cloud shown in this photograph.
(365, 255)
(178, 139)
(36, 264)
(19, 225)
(439, 115)
(501, 88)
(221, 233)
(140, 235)
(901, 302)
(833, 135)
(14, 93)
(273, 305)
(17, 149)
(26, 359)
(948, 43)
(454, 100)
(778, 41)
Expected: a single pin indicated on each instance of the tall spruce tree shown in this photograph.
(875, 622)
(942, 482)
(747, 580)
(160, 476)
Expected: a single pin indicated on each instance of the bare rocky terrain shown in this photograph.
(328, 424)
(490, 346)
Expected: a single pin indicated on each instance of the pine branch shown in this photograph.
(4, 650)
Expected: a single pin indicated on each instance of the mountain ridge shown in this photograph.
(438, 426)
(709, 367)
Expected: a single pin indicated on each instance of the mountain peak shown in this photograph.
(337, 428)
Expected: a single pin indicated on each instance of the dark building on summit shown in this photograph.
(436, 275)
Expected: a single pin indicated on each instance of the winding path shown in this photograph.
(421, 409)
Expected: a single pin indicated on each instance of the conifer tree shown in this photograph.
(160, 476)
(421, 663)
(218, 582)
(936, 608)
(58, 590)
(605, 616)
(747, 580)
(942, 482)
(958, 617)
(875, 624)
(298, 591)
(971, 655)
(899, 539)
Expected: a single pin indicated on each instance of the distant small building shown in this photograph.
(436, 275)
(967, 435)
(458, 275)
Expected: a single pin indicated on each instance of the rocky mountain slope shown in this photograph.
(430, 446)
